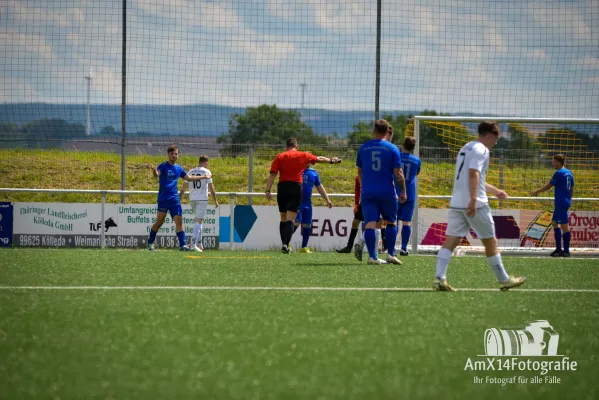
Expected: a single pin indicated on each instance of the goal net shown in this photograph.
(520, 163)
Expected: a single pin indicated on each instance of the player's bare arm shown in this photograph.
(360, 176)
(213, 194)
(323, 193)
(500, 194)
(545, 187)
(334, 160)
(183, 189)
(401, 181)
(473, 181)
(155, 171)
(271, 180)
(197, 177)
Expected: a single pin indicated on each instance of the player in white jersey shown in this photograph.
(469, 208)
(198, 199)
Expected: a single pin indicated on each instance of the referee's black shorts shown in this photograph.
(289, 196)
(358, 214)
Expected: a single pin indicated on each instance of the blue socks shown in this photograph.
(391, 238)
(558, 238)
(152, 237)
(567, 242)
(305, 236)
(406, 231)
(181, 237)
(370, 239)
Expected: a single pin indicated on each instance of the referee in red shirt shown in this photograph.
(290, 165)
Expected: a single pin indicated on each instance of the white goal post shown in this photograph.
(522, 222)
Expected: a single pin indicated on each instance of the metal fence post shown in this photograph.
(123, 99)
(501, 167)
(251, 174)
(232, 221)
(102, 228)
(416, 216)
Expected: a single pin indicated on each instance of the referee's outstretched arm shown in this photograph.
(326, 160)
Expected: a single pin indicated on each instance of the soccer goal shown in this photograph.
(520, 163)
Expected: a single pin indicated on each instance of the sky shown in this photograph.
(510, 58)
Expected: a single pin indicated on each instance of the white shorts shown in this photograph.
(459, 224)
(199, 208)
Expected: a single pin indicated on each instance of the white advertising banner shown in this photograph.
(257, 227)
(80, 225)
(330, 228)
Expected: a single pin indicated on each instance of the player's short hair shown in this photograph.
(381, 126)
(204, 158)
(488, 127)
(291, 142)
(409, 143)
(560, 158)
(172, 148)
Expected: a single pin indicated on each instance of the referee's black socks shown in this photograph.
(287, 232)
(282, 231)
(352, 237)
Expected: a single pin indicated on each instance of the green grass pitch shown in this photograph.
(142, 325)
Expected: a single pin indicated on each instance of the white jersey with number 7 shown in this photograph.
(198, 190)
(473, 155)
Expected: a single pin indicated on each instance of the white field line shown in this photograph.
(285, 288)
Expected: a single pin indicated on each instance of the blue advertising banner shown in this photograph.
(5, 224)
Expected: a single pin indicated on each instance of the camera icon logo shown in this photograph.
(537, 338)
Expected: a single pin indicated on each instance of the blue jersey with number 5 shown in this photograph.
(378, 159)
(411, 168)
(563, 181)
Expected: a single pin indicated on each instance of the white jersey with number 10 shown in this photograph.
(198, 190)
(473, 155)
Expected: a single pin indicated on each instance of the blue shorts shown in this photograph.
(375, 208)
(560, 215)
(405, 211)
(170, 207)
(304, 215)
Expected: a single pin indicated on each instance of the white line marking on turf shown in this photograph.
(284, 288)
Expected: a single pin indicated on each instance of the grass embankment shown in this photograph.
(95, 170)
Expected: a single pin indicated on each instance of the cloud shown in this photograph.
(538, 54)
(13, 44)
(587, 61)
(208, 15)
(565, 22)
(342, 16)
(282, 9)
(424, 22)
(456, 55)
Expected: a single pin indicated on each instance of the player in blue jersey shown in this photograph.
(563, 181)
(310, 179)
(411, 169)
(379, 231)
(379, 169)
(168, 174)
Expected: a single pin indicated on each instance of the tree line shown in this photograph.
(269, 124)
